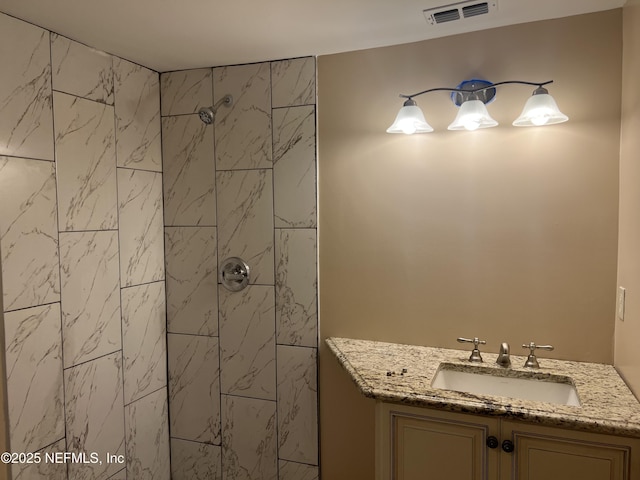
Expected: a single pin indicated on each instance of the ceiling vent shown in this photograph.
(459, 11)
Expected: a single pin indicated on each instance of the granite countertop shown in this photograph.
(607, 404)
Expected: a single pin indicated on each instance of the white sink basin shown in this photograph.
(554, 389)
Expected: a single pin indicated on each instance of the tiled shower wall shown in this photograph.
(81, 243)
(242, 366)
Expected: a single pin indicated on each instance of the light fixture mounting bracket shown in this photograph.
(483, 90)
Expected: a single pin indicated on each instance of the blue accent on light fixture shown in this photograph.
(487, 95)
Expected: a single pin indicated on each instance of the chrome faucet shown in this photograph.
(532, 361)
(475, 353)
(503, 357)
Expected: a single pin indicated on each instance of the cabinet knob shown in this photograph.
(507, 446)
(492, 442)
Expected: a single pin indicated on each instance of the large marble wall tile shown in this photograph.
(194, 388)
(137, 104)
(298, 471)
(26, 119)
(294, 170)
(296, 287)
(144, 341)
(247, 342)
(243, 132)
(81, 70)
(90, 295)
(249, 450)
(95, 414)
(147, 438)
(294, 82)
(297, 404)
(43, 470)
(34, 377)
(189, 171)
(121, 475)
(28, 233)
(86, 164)
(185, 91)
(141, 227)
(192, 281)
(195, 461)
(245, 221)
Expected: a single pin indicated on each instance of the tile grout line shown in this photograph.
(55, 165)
(317, 264)
(122, 354)
(164, 263)
(217, 288)
(275, 296)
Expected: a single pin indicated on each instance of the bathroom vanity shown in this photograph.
(430, 428)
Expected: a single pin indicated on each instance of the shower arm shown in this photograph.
(227, 101)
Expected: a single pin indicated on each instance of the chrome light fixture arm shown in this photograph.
(476, 90)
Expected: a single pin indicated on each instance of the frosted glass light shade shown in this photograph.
(540, 109)
(410, 119)
(471, 116)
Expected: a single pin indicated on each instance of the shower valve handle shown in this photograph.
(234, 274)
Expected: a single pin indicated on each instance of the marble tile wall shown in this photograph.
(144, 340)
(28, 233)
(249, 442)
(297, 404)
(43, 470)
(148, 437)
(189, 175)
(90, 295)
(245, 206)
(242, 366)
(294, 172)
(194, 388)
(243, 132)
(82, 266)
(26, 119)
(195, 461)
(191, 266)
(32, 338)
(85, 164)
(247, 342)
(94, 410)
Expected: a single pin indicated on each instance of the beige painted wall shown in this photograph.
(628, 331)
(507, 234)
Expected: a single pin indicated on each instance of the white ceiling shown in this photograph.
(178, 34)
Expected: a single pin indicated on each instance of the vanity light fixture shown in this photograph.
(472, 96)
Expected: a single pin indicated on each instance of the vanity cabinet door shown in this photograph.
(546, 453)
(419, 444)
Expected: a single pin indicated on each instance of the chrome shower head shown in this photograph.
(207, 115)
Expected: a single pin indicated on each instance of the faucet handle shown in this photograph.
(475, 354)
(474, 340)
(532, 346)
(532, 361)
